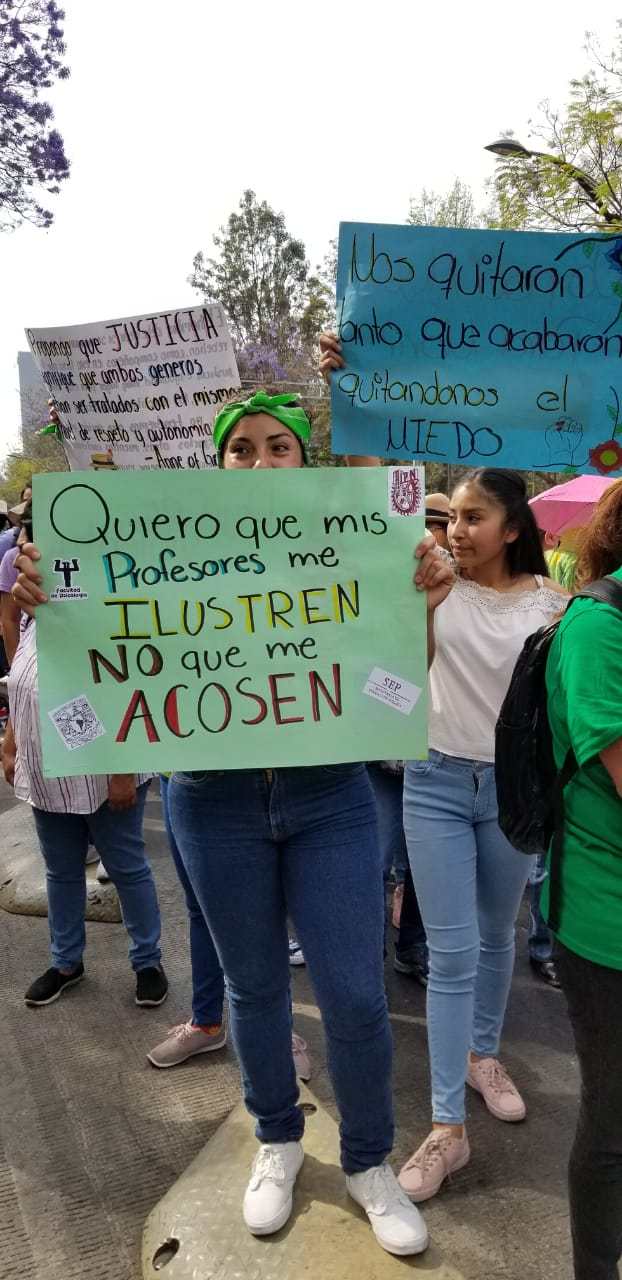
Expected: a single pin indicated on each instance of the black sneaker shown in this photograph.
(151, 986)
(545, 969)
(414, 964)
(51, 985)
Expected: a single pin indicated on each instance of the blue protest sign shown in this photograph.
(480, 347)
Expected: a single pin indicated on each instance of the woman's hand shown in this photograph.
(434, 573)
(9, 752)
(122, 790)
(330, 354)
(27, 591)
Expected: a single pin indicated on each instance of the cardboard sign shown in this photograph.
(141, 392)
(483, 348)
(233, 620)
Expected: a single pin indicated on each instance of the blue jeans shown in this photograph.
(469, 883)
(118, 836)
(258, 845)
(540, 939)
(208, 984)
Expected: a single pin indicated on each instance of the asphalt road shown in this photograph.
(91, 1136)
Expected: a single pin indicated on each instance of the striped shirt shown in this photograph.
(84, 794)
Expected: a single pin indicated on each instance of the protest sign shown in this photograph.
(484, 348)
(241, 619)
(140, 392)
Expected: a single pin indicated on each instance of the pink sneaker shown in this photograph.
(300, 1054)
(497, 1089)
(437, 1158)
(398, 899)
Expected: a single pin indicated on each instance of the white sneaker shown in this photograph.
(268, 1197)
(91, 855)
(300, 1054)
(395, 1222)
(296, 957)
(101, 875)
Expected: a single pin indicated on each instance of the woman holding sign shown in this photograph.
(468, 878)
(261, 844)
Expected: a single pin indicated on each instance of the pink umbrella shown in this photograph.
(566, 506)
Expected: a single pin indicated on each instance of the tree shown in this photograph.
(454, 209)
(579, 186)
(260, 277)
(42, 453)
(32, 154)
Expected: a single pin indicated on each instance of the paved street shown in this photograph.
(91, 1136)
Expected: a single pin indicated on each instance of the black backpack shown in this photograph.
(530, 788)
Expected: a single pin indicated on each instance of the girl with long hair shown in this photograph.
(469, 880)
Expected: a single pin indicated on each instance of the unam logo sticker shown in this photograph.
(405, 491)
(76, 722)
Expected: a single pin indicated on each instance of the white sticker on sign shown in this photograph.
(77, 723)
(392, 690)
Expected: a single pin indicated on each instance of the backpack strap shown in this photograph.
(567, 771)
(607, 591)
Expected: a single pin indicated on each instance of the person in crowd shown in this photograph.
(10, 527)
(561, 557)
(9, 612)
(437, 517)
(67, 811)
(584, 678)
(540, 941)
(411, 952)
(204, 1031)
(468, 878)
(261, 844)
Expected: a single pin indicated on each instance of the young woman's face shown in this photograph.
(259, 440)
(477, 529)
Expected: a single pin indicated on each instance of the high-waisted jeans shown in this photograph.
(469, 883)
(261, 844)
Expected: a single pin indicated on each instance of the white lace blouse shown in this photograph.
(479, 633)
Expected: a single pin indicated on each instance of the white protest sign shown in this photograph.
(142, 392)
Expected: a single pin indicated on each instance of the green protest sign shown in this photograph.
(230, 620)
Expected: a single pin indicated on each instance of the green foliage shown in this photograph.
(260, 276)
(578, 186)
(41, 453)
(454, 209)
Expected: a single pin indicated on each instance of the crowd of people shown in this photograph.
(257, 849)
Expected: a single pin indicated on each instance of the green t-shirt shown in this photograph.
(584, 686)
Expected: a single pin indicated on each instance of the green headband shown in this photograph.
(286, 409)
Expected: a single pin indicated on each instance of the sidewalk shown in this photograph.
(91, 1136)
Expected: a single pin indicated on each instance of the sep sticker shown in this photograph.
(406, 490)
(77, 723)
(399, 694)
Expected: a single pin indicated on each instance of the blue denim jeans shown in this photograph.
(469, 883)
(261, 844)
(118, 836)
(208, 984)
(540, 939)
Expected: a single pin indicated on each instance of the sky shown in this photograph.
(330, 112)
